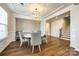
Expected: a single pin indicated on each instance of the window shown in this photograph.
(3, 24)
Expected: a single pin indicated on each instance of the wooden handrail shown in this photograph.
(60, 34)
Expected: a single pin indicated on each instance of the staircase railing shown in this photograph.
(60, 34)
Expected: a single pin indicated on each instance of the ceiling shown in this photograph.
(45, 9)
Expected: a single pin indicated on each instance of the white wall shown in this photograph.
(75, 27)
(55, 27)
(43, 26)
(27, 25)
(48, 28)
(11, 29)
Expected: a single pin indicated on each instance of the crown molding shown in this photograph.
(59, 12)
(57, 9)
(23, 17)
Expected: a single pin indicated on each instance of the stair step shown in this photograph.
(65, 35)
(65, 38)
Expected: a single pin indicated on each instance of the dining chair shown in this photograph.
(22, 39)
(36, 40)
(45, 37)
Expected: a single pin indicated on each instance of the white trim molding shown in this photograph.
(60, 12)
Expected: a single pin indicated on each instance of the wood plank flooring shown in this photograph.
(54, 47)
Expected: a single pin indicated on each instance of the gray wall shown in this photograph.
(27, 25)
(66, 25)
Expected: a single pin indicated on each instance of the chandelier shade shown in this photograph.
(36, 14)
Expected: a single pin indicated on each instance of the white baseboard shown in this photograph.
(4, 44)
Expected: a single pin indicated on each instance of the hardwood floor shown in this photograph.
(55, 47)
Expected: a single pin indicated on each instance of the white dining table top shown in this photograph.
(27, 35)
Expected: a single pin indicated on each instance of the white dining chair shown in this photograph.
(22, 39)
(45, 37)
(36, 40)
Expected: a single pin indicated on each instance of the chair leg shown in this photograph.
(39, 48)
(32, 49)
(46, 40)
(20, 44)
(28, 43)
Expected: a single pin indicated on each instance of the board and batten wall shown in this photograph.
(11, 28)
(27, 25)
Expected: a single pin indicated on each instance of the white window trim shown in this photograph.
(4, 25)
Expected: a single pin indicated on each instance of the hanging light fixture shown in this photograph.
(36, 14)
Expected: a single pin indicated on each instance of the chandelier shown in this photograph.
(36, 14)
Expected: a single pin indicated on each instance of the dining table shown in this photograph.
(27, 35)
